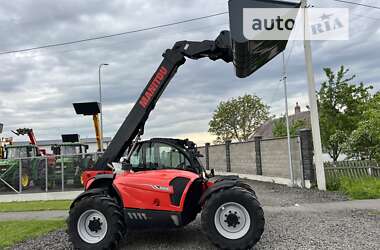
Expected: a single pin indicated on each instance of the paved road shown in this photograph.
(295, 219)
(297, 208)
(36, 215)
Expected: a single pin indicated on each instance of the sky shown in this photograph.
(37, 88)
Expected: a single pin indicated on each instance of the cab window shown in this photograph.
(137, 158)
(152, 156)
(170, 157)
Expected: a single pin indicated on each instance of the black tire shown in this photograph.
(16, 178)
(244, 198)
(108, 207)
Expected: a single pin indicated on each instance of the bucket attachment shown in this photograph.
(70, 138)
(250, 55)
(87, 108)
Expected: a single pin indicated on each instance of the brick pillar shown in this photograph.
(307, 154)
(207, 146)
(259, 166)
(228, 155)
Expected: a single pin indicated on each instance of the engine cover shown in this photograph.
(163, 190)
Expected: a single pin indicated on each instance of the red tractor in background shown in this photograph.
(161, 183)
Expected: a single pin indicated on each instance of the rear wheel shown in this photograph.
(233, 219)
(25, 179)
(96, 222)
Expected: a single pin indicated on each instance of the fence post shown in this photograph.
(228, 155)
(259, 166)
(19, 175)
(62, 175)
(46, 174)
(207, 146)
(307, 155)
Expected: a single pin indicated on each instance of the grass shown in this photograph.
(21, 206)
(13, 232)
(357, 189)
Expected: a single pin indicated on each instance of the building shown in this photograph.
(46, 144)
(266, 130)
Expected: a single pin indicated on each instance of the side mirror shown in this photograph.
(211, 174)
(126, 165)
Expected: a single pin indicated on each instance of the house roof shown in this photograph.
(266, 130)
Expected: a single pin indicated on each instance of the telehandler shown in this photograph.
(161, 183)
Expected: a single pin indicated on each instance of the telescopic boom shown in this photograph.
(173, 58)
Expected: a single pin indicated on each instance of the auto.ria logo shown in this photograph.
(291, 24)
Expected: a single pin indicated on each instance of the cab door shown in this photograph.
(156, 181)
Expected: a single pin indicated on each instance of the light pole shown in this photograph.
(284, 78)
(320, 172)
(101, 107)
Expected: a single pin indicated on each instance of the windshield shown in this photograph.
(13, 153)
(70, 150)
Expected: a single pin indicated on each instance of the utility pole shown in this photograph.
(320, 173)
(284, 78)
(101, 108)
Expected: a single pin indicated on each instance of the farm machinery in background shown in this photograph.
(72, 158)
(32, 159)
(93, 109)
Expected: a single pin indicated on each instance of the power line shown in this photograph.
(353, 14)
(125, 42)
(111, 35)
(359, 4)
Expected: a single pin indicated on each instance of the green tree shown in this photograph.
(279, 127)
(341, 105)
(238, 118)
(364, 142)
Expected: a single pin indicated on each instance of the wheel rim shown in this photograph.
(232, 220)
(92, 226)
(24, 180)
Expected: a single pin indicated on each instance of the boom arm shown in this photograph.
(26, 131)
(32, 138)
(173, 58)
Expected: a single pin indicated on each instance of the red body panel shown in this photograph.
(151, 189)
(89, 176)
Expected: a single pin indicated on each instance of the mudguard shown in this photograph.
(98, 186)
(224, 182)
(99, 180)
(91, 192)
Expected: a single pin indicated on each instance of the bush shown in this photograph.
(359, 189)
(333, 184)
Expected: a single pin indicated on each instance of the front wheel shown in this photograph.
(96, 222)
(233, 219)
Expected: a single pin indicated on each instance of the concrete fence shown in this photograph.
(264, 157)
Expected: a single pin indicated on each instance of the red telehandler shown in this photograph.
(32, 138)
(161, 183)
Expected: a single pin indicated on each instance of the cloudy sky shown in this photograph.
(37, 88)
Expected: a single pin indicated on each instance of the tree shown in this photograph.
(238, 118)
(279, 127)
(364, 142)
(341, 106)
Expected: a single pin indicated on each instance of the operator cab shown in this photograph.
(164, 153)
(69, 149)
(17, 152)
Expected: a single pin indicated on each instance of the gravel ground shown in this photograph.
(343, 229)
(270, 194)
